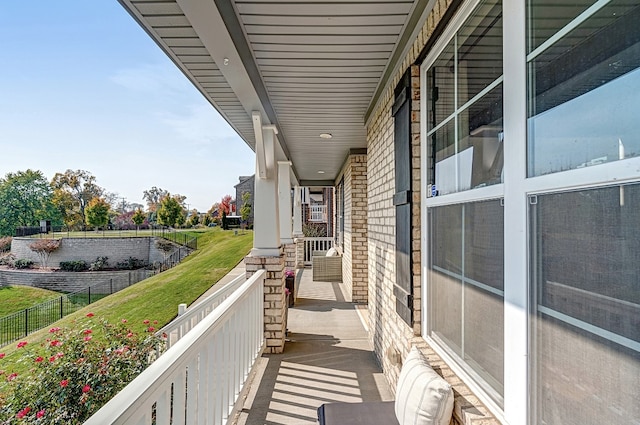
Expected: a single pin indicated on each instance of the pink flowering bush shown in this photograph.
(75, 372)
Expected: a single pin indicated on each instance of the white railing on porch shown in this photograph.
(315, 244)
(199, 379)
(318, 213)
(185, 322)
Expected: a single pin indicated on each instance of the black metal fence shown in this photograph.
(18, 325)
(180, 238)
(27, 231)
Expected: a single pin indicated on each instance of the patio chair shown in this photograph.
(326, 268)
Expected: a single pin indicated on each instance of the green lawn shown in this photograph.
(16, 298)
(158, 297)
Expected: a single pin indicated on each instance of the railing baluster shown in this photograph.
(202, 373)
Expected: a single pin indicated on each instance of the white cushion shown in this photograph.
(332, 252)
(422, 396)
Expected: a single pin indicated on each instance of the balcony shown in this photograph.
(216, 360)
(317, 213)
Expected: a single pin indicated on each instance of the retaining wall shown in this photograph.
(88, 249)
(74, 281)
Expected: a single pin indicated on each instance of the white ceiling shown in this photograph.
(309, 67)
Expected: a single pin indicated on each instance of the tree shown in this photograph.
(138, 218)
(194, 218)
(97, 213)
(214, 212)
(81, 187)
(245, 211)
(225, 205)
(207, 220)
(122, 221)
(25, 199)
(44, 248)
(154, 197)
(170, 212)
(64, 203)
(225, 226)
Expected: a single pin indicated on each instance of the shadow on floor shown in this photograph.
(327, 358)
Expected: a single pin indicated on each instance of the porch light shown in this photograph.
(326, 135)
(320, 172)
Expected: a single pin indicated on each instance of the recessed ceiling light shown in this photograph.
(326, 135)
(225, 61)
(320, 172)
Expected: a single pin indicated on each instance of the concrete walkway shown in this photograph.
(327, 358)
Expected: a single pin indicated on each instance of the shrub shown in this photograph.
(7, 259)
(74, 266)
(44, 248)
(100, 264)
(131, 264)
(22, 263)
(5, 243)
(76, 371)
(314, 230)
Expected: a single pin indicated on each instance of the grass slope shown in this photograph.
(17, 298)
(158, 297)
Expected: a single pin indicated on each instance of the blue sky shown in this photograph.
(82, 86)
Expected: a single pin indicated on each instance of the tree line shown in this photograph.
(75, 201)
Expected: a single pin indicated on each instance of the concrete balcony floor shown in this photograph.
(327, 358)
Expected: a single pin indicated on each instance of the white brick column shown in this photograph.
(274, 299)
(267, 251)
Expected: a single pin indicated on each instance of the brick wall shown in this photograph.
(274, 299)
(355, 254)
(290, 252)
(88, 249)
(388, 333)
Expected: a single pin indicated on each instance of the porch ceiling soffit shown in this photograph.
(309, 67)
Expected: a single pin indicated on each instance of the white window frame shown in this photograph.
(495, 191)
(515, 191)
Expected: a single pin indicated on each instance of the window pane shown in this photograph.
(483, 290)
(479, 50)
(445, 286)
(466, 287)
(586, 296)
(440, 88)
(443, 141)
(481, 131)
(547, 17)
(581, 112)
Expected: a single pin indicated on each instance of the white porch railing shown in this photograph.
(318, 213)
(315, 244)
(199, 379)
(185, 322)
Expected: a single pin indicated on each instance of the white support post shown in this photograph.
(297, 212)
(266, 236)
(284, 197)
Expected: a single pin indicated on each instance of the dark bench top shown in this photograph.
(367, 413)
